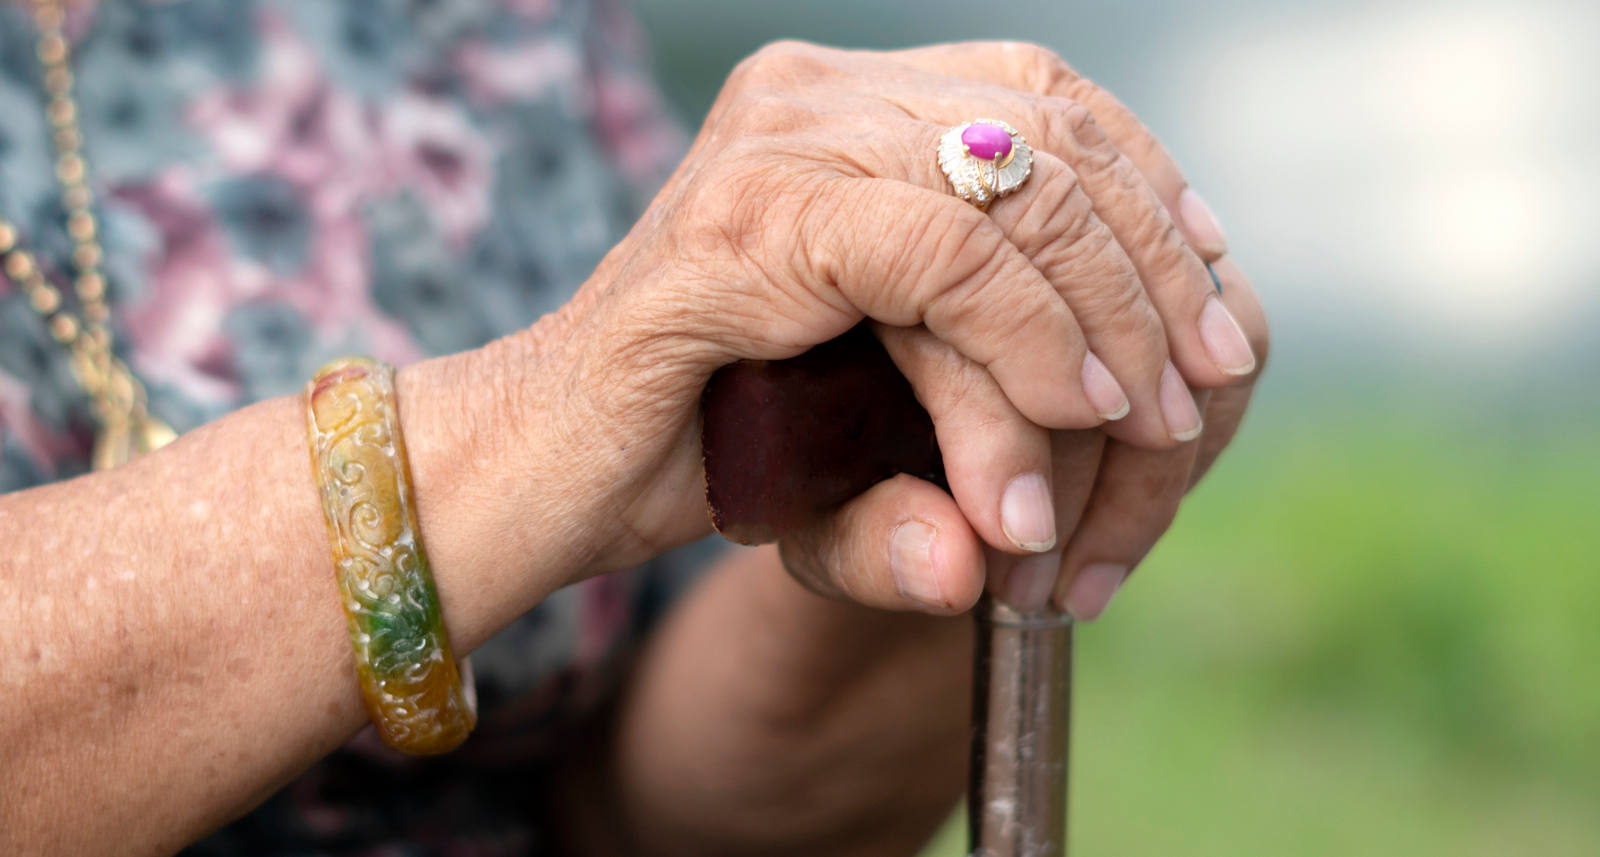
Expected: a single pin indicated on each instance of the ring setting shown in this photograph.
(984, 160)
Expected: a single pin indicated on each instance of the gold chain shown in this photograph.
(117, 399)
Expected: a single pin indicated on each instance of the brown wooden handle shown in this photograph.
(787, 441)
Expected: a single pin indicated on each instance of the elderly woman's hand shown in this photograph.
(812, 200)
(1113, 499)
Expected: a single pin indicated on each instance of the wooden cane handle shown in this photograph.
(787, 441)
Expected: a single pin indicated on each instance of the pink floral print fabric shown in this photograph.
(280, 182)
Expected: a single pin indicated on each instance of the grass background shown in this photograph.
(1360, 638)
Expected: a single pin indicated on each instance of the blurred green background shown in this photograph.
(1373, 630)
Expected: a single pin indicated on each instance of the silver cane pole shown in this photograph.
(1021, 708)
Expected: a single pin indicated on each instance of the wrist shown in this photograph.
(503, 513)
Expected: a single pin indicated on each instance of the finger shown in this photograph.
(1090, 266)
(996, 461)
(1056, 224)
(1033, 68)
(1207, 344)
(1135, 497)
(1227, 406)
(903, 255)
(1026, 582)
(1137, 491)
(1223, 414)
(1189, 211)
(1053, 222)
(902, 545)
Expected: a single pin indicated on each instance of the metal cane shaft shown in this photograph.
(1022, 698)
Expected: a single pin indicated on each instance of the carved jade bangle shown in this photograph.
(412, 689)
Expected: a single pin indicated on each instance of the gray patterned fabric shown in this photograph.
(280, 182)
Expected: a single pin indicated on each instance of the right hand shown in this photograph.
(809, 201)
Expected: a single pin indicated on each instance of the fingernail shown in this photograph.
(1177, 406)
(911, 562)
(1103, 390)
(1224, 339)
(1027, 514)
(1200, 226)
(1092, 589)
(1031, 580)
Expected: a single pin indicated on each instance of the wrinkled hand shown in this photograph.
(905, 545)
(811, 200)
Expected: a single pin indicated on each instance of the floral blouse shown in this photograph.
(280, 182)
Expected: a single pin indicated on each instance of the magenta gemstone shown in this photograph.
(989, 142)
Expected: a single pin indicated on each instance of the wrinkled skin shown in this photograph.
(811, 201)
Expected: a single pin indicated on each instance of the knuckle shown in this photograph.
(816, 555)
(957, 240)
(1167, 254)
(1042, 70)
(975, 304)
(806, 227)
(1057, 209)
(1077, 116)
(1070, 239)
(1087, 259)
(1118, 312)
(1061, 118)
(1073, 211)
(988, 415)
(1082, 257)
(766, 95)
(776, 63)
(1104, 290)
(717, 209)
(955, 389)
(1128, 316)
(757, 65)
(950, 386)
(1083, 89)
(986, 301)
(1158, 230)
(769, 112)
(963, 245)
(739, 206)
(802, 556)
(746, 208)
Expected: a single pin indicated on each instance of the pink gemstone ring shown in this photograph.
(984, 160)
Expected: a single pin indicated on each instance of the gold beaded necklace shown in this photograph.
(124, 426)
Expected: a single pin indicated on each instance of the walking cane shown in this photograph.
(786, 442)
(1021, 704)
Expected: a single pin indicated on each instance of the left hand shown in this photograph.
(907, 545)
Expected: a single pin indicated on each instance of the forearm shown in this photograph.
(764, 719)
(174, 642)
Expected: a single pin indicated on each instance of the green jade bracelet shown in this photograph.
(413, 691)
